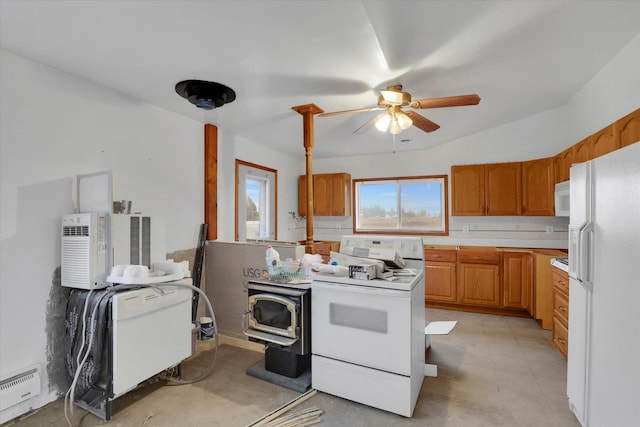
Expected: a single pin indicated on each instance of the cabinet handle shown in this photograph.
(560, 340)
(436, 256)
(561, 308)
(477, 257)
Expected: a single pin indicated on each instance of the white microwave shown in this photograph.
(562, 199)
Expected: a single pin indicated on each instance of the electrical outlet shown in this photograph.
(465, 228)
(549, 229)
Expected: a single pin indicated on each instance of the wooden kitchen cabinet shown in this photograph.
(627, 129)
(517, 280)
(543, 286)
(503, 186)
(331, 194)
(479, 277)
(440, 275)
(467, 196)
(562, 164)
(604, 141)
(490, 189)
(560, 333)
(583, 151)
(538, 187)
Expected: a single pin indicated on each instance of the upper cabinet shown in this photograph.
(331, 194)
(582, 151)
(538, 187)
(467, 183)
(503, 186)
(501, 189)
(604, 141)
(492, 189)
(562, 163)
(627, 128)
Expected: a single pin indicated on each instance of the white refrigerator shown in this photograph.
(603, 371)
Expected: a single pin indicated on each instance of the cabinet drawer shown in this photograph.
(479, 257)
(561, 308)
(560, 337)
(560, 280)
(440, 255)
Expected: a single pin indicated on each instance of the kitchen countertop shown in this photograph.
(560, 265)
(502, 243)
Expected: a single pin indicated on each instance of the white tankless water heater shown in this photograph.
(94, 242)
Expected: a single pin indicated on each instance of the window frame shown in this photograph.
(262, 172)
(444, 184)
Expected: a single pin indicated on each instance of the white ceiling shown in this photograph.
(521, 57)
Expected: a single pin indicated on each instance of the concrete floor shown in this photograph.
(492, 371)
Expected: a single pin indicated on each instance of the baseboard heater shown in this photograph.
(19, 386)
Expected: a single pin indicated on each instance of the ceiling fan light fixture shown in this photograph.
(404, 121)
(394, 127)
(382, 124)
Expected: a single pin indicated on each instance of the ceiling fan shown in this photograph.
(395, 119)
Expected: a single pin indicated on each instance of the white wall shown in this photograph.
(612, 93)
(54, 127)
(289, 168)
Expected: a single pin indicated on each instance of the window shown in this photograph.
(415, 205)
(256, 195)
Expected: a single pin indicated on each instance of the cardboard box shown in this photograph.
(362, 271)
(389, 256)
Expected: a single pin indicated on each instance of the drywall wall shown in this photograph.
(56, 126)
(612, 93)
(289, 168)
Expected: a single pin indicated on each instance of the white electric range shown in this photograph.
(368, 339)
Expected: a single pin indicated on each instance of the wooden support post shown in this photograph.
(307, 112)
(211, 180)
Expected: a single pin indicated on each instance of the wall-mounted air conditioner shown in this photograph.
(93, 242)
(85, 250)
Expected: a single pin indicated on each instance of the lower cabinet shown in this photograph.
(491, 280)
(517, 278)
(479, 277)
(479, 284)
(440, 275)
(560, 333)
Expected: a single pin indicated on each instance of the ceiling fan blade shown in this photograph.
(368, 125)
(450, 101)
(357, 110)
(422, 122)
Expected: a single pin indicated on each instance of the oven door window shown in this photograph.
(273, 314)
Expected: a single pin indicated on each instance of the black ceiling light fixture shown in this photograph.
(204, 94)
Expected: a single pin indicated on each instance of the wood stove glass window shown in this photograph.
(273, 314)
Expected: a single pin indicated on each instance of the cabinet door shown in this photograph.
(503, 188)
(538, 187)
(440, 281)
(339, 194)
(331, 194)
(604, 141)
(479, 284)
(582, 151)
(562, 164)
(467, 190)
(302, 195)
(322, 195)
(628, 128)
(517, 280)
